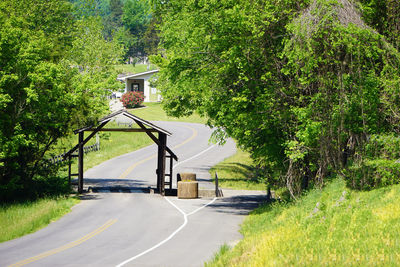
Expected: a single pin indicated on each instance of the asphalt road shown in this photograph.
(118, 224)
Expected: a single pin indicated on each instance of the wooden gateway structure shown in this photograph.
(144, 126)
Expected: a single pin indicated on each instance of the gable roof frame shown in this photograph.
(145, 126)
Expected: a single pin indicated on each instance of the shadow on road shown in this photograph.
(238, 205)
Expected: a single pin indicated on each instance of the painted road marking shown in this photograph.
(67, 246)
(185, 221)
(195, 156)
(194, 134)
(133, 166)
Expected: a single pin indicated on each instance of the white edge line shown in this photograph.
(195, 156)
(159, 244)
(181, 211)
(202, 207)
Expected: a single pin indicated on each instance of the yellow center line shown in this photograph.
(67, 246)
(108, 223)
(133, 166)
(194, 134)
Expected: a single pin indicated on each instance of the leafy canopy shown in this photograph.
(300, 84)
(54, 72)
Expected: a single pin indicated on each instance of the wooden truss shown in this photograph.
(144, 126)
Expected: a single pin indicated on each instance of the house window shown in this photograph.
(135, 87)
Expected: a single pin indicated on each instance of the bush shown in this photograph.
(372, 174)
(132, 99)
(377, 164)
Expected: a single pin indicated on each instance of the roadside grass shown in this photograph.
(154, 112)
(350, 228)
(129, 68)
(20, 219)
(24, 218)
(237, 172)
(114, 144)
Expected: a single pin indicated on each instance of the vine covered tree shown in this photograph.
(302, 85)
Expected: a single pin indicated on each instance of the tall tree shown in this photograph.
(136, 18)
(300, 84)
(50, 74)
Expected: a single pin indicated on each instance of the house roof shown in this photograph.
(129, 115)
(130, 76)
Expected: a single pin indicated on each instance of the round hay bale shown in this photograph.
(188, 190)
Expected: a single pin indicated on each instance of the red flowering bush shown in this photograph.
(132, 99)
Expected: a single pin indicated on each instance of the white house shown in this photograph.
(141, 82)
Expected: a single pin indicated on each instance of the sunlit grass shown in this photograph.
(348, 229)
(138, 68)
(154, 112)
(237, 172)
(20, 219)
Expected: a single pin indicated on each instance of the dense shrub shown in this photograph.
(132, 99)
(371, 174)
(377, 164)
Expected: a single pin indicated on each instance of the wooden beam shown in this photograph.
(80, 163)
(156, 140)
(129, 130)
(86, 140)
(162, 137)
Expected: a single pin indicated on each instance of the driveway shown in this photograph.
(120, 224)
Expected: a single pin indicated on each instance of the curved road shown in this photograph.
(120, 225)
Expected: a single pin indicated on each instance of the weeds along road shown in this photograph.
(120, 225)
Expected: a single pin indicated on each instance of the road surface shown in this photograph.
(120, 225)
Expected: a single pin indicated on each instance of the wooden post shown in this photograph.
(216, 185)
(161, 162)
(171, 168)
(69, 171)
(80, 162)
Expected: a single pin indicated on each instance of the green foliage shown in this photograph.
(383, 15)
(300, 84)
(375, 173)
(377, 165)
(52, 78)
(124, 21)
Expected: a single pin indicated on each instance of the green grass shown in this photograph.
(154, 112)
(237, 172)
(20, 219)
(129, 68)
(361, 229)
(112, 144)
(116, 144)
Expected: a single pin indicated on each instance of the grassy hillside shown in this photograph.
(330, 227)
(237, 172)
